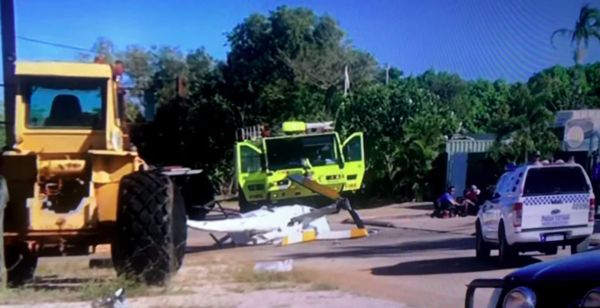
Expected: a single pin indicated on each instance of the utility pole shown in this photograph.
(181, 96)
(346, 81)
(9, 56)
(387, 74)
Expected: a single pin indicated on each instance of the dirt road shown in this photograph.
(418, 268)
(392, 268)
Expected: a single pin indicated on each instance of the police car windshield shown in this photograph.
(555, 180)
(288, 153)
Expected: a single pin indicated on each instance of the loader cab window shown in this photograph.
(65, 102)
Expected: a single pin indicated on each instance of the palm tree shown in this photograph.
(587, 27)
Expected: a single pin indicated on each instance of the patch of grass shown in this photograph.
(71, 268)
(100, 288)
(237, 289)
(242, 279)
(249, 275)
(23, 296)
(249, 279)
(322, 286)
(74, 289)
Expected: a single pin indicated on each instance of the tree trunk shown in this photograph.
(329, 99)
(578, 55)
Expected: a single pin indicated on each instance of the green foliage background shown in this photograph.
(290, 64)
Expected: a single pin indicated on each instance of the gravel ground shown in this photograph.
(223, 297)
(217, 297)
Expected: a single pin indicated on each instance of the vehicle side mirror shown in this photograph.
(496, 195)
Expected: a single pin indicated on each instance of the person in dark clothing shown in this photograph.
(446, 202)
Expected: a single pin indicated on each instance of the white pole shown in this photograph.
(346, 81)
(387, 74)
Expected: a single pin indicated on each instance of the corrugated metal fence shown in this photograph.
(458, 159)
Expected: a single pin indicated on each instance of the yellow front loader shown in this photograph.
(74, 181)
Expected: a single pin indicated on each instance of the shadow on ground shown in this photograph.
(425, 207)
(445, 266)
(199, 249)
(389, 250)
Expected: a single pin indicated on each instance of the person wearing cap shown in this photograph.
(537, 157)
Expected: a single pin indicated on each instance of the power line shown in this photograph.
(54, 44)
(59, 45)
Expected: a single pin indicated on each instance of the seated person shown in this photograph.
(471, 197)
(446, 202)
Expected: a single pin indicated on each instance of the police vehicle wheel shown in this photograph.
(506, 253)
(580, 247)
(482, 250)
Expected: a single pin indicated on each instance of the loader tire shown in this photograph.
(151, 228)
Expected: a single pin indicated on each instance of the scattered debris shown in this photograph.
(117, 300)
(264, 225)
(274, 266)
(286, 225)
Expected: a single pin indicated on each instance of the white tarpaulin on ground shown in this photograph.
(265, 225)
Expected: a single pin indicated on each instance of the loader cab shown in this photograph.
(64, 107)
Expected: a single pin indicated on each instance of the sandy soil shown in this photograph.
(211, 282)
(220, 297)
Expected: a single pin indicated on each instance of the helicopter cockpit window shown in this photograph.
(69, 103)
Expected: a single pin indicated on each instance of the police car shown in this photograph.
(536, 207)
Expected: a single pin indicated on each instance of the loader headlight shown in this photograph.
(591, 299)
(521, 297)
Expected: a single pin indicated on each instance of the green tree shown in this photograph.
(527, 128)
(586, 27)
(282, 65)
(290, 65)
(404, 126)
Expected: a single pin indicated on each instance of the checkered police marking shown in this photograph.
(580, 198)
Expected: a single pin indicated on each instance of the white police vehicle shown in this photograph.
(536, 207)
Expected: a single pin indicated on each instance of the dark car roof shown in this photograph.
(580, 267)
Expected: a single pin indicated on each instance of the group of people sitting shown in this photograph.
(448, 206)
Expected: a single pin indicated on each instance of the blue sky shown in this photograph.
(476, 38)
